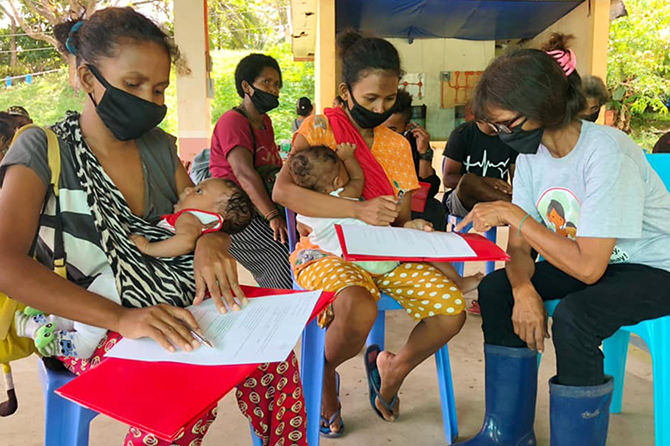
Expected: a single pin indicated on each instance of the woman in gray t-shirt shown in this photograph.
(587, 200)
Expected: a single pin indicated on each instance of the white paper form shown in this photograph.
(404, 243)
(266, 330)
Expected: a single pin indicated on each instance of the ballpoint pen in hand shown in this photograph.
(196, 335)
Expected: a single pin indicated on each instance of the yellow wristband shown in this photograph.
(521, 224)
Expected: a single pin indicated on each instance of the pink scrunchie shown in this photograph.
(566, 59)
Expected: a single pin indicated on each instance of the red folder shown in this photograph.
(162, 397)
(484, 249)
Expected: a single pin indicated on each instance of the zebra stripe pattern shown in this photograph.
(141, 281)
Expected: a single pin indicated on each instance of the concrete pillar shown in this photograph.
(193, 103)
(599, 24)
(599, 27)
(325, 57)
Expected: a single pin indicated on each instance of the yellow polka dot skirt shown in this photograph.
(419, 287)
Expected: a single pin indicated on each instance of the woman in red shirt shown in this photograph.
(244, 150)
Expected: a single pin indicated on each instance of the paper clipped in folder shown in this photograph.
(162, 397)
(370, 243)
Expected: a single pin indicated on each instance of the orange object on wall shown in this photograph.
(458, 87)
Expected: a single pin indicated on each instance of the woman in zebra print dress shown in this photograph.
(119, 173)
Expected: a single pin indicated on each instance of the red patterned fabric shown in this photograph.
(376, 181)
(271, 399)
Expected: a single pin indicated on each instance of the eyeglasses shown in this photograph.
(504, 127)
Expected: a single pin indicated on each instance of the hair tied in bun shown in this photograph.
(69, 43)
(566, 59)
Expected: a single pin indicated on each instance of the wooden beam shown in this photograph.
(325, 66)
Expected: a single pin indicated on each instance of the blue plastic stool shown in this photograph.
(312, 362)
(656, 334)
(67, 423)
(491, 234)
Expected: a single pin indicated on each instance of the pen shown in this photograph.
(401, 192)
(197, 336)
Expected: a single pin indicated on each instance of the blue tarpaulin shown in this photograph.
(461, 19)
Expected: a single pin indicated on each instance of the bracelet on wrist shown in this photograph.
(272, 213)
(523, 220)
(273, 217)
(428, 156)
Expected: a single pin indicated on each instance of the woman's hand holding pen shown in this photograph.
(380, 211)
(168, 325)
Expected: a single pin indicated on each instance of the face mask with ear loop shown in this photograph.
(127, 116)
(526, 142)
(263, 101)
(367, 118)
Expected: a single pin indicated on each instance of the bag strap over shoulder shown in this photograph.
(253, 134)
(54, 161)
(53, 152)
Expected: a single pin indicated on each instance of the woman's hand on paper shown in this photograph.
(216, 273)
(380, 211)
(485, 216)
(163, 323)
(419, 224)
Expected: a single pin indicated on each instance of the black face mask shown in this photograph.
(126, 115)
(365, 118)
(523, 141)
(264, 101)
(593, 117)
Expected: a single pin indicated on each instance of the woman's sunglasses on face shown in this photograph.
(506, 126)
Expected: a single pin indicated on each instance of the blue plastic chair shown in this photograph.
(67, 423)
(312, 362)
(491, 234)
(654, 332)
(445, 384)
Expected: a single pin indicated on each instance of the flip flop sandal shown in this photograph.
(324, 426)
(387, 406)
(374, 381)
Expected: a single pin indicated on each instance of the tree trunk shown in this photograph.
(12, 44)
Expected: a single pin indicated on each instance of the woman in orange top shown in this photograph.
(371, 71)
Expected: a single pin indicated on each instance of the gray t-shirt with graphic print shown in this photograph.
(604, 188)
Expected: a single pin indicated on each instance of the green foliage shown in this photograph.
(647, 128)
(298, 80)
(247, 24)
(32, 55)
(50, 96)
(639, 59)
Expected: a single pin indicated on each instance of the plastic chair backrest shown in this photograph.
(419, 197)
(660, 162)
(292, 230)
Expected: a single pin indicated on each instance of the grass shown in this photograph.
(46, 99)
(50, 96)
